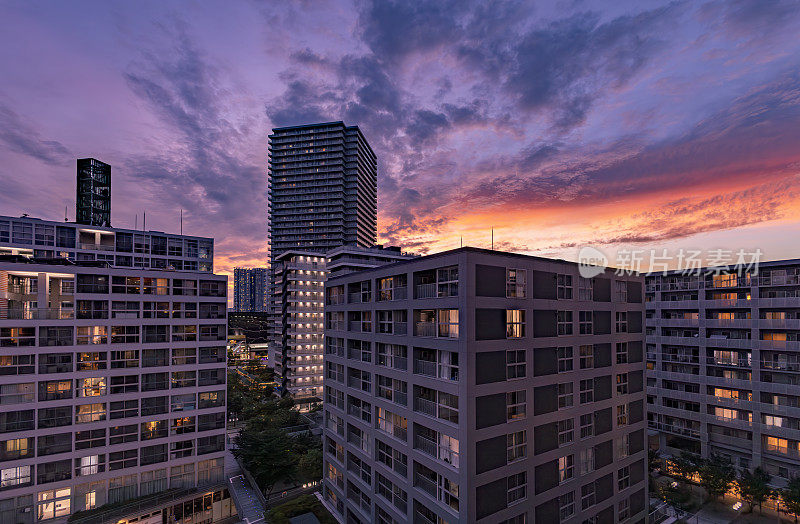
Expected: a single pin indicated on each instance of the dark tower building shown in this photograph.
(93, 201)
(323, 188)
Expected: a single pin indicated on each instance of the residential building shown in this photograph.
(481, 386)
(723, 360)
(296, 344)
(93, 195)
(322, 188)
(124, 248)
(113, 385)
(250, 289)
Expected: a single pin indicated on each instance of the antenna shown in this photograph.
(492, 239)
(136, 221)
(181, 221)
(65, 214)
(144, 221)
(462, 241)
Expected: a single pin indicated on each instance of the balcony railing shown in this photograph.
(425, 367)
(425, 406)
(428, 485)
(39, 314)
(398, 293)
(426, 329)
(426, 291)
(97, 247)
(335, 299)
(429, 447)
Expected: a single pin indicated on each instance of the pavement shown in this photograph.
(248, 503)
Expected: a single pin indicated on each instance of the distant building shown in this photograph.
(93, 196)
(723, 361)
(484, 387)
(250, 289)
(296, 341)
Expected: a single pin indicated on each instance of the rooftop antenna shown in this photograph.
(492, 239)
(462, 241)
(181, 221)
(65, 214)
(136, 221)
(144, 221)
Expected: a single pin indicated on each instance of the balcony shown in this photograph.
(97, 247)
(39, 314)
(740, 363)
(425, 367)
(426, 291)
(425, 329)
(429, 447)
(424, 406)
(334, 300)
(388, 295)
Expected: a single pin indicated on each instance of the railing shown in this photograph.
(358, 297)
(425, 329)
(425, 406)
(429, 447)
(397, 293)
(400, 328)
(425, 367)
(426, 484)
(335, 299)
(359, 326)
(780, 366)
(97, 247)
(339, 326)
(425, 291)
(38, 314)
(22, 289)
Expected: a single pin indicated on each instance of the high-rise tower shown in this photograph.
(323, 188)
(93, 198)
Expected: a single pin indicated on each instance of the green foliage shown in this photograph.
(790, 496)
(685, 465)
(754, 487)
(303, 504)
(678, 498)
(716, 476)
(653, 460)
(269, 453)
(309, 466)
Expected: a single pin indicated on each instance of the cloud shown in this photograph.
(19, 136)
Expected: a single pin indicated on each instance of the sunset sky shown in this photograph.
(624, 124)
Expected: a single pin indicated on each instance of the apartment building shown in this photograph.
(322, 188)
(482, 386)
(297, 345)
(112, 379)
(723, 361)
(124, 248)
(250, 289)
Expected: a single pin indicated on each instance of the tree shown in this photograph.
(653, 460)
(790, 495)
(716, 476)
(267, 454)
(676, 498)
(685, 465)
(309, 466)
(754, 487)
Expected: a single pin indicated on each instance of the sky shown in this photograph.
(625, 125)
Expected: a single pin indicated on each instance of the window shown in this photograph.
(586, 457)
(623, 446)
(515, 364)
(123, 434)
(122, 459)
(515, 323)
(211, 399)
(564, 321)
(53, 471)
(183, 402)
(566, 468)
(53, 444)
(155, 381)
(585, 289)
(95, 438)
(566, 431)
(153, 454)
(87, 335)
(447, 281)
(586, 356)
(622, 322)
(585, 326)
(124, 384)
(155, 358)
(55, 417)
(516, 446)
(586, 391)
(564, 285)
(517, 487)
(624, 510)
(155, 405)
(184, 356)
(587, 425)
(17, 448)
(622, 415)
(515, 283)
(90, 413)
(515, 405)
(14, 477)
(124, 409)
(564, 359)
(92, 361)
(25, 392)
(566, 505)
(391, 457)
(125, 359)
(124, 335)
(587, 496)
(53, 504)
(184, 379)
(623, 478)
(622, 383)
(622, 352)
(620, 291)
(91, 465)
(565, 395)
(447, 323)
